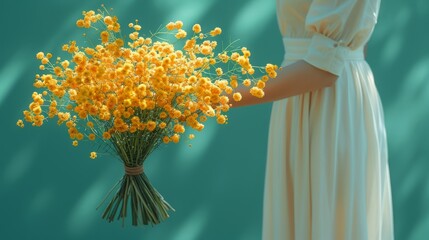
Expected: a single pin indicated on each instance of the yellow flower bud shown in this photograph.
(178, 24)
(20, 124)
(40, 55)
(196, 28)
(216, 31)
(221, 119)
(246, 82)
(170, 26)
(175, 138)
(237, 96)
(93, 155)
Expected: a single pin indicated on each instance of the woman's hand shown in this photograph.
(295, 79)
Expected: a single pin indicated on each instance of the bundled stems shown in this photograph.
(137, 193)
(134, 191)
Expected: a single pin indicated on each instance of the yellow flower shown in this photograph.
(63, 116)
(246, 53)
(108, 20)
(78, 58)
(175, 138)
(106, 135)
(70, 124)
(37, 110)
(82, 114)
(151, 125)
(272, 74)
(223, 57)
(20, 123)
(166, 139)
(104, 35)
(147, 41)
(93, 155)
(221, 119)
(176, 114)
(44, 60)
(270, 67)
(178, 24)
(91, 136)
(196, 28)
(224, 100)
(216, 31)
(234, 84)
(90, 124)
(126, 115)
(162, 115)
(79, 136)
(162, 125)
(38, 120)
(234, 56)
(206, 50)
(191, 136)
(127, 102)
(132, 129)
(237, 96)
(246, 82)
(170, 26)
(40, 55)
(133, 36)
(260, 84)
(199, 127)
(75, 143)
(180, 34)
(264, 78)
(80, 23)
(178, 128)
(257, 92)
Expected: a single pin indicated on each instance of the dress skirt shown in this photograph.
(327, 174)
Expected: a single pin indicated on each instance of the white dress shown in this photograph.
(327, 174)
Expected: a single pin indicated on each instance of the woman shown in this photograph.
(327, 175)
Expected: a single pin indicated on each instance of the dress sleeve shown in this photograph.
(338, 26)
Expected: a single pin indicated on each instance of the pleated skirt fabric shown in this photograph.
(327, 174)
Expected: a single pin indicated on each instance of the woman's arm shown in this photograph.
(294, 79)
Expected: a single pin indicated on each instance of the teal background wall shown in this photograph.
(49, 189)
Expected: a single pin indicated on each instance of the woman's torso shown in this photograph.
(291, 18)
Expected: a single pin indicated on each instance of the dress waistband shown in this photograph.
(296, 49)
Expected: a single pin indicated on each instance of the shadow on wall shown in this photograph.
(400, 61)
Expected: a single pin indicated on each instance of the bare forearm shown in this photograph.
(294, 79)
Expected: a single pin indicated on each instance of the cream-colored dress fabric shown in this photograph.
(327, 174)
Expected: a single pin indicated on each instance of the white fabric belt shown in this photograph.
(297, 48)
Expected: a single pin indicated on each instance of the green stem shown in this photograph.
(146, 204)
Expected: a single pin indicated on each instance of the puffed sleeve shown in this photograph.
(338, 26)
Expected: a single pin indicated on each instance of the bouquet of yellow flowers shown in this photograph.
(132, 94)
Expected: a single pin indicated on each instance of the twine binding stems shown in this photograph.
(133, 171)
